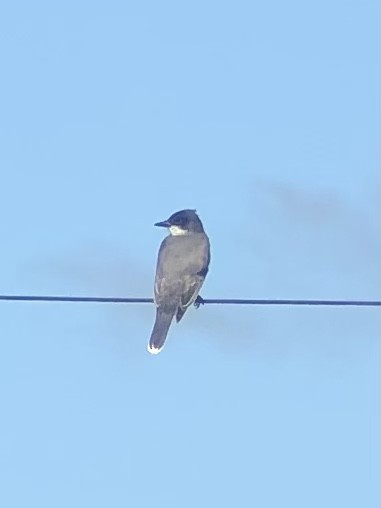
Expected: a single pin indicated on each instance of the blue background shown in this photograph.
(264, 117)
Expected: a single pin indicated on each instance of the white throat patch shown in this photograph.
(176, 231)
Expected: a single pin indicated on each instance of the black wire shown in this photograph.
(224, 301)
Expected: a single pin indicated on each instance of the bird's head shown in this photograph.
(182, 223)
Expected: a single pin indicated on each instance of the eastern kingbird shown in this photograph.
(182, 265)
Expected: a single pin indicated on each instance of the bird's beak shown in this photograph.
(164, 224)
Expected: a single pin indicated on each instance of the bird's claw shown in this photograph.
(199, 301)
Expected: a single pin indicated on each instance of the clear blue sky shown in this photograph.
(264, 117)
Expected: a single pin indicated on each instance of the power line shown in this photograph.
(223, 301)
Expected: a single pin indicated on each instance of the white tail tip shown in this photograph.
(153, 350)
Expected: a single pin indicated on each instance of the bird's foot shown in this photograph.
(199, 301)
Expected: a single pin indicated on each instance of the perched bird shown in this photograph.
(182, 265)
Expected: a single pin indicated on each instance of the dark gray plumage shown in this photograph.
(182, 265)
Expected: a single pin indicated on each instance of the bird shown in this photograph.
(182, 265)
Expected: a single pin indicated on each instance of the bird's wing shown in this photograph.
(167, 292)
(192, 283)
(191, 288)
(165, 286)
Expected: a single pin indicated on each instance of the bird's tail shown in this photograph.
(159, 332)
